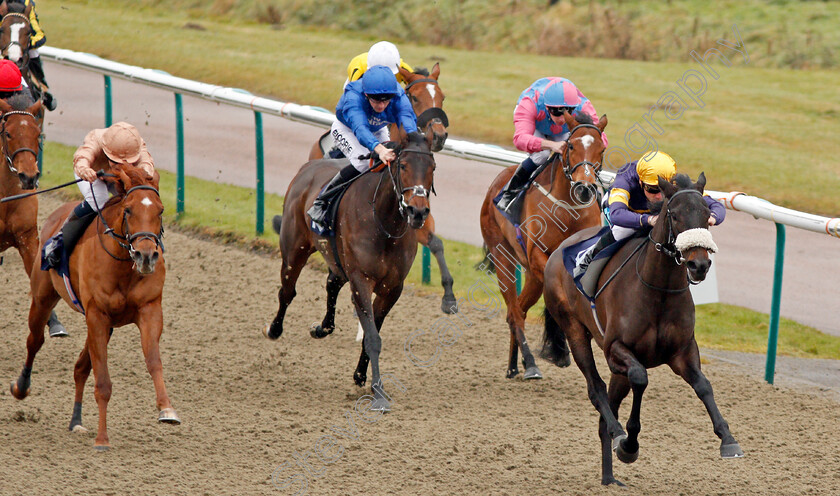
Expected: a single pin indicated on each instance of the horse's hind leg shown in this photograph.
(27, 245)
(687, 366)
(294, 258)
(334, 285)
(448, 304)
(81, 373)
(531, 292)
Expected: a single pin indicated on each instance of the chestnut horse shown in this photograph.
(423, 90)
(15, 31)
(117, 272)
(647, 314)
(20, 138)
(561, 201)
(373, 248)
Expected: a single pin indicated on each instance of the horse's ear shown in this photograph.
(4, 8)
(435, 74)
(700, 185)
(407, 75)
(5, 107)
(602, 122)
(668, 188)
(570, 120)
(36, 107)
(27, 10)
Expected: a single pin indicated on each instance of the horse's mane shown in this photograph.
(21, 100)
(421, 71)
(582, 118)
(16, 7)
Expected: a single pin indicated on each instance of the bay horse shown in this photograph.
(117, 272)
(15, 31)
(561, 201)
(647, 314)
(426, 97)
(20, 140)
(374, 245)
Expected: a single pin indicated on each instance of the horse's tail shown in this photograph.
(276, 222)
(486, 263)
(555, 349)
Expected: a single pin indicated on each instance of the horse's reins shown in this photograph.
(11, 157)
(127, 239)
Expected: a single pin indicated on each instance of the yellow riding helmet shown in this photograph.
(650, 167)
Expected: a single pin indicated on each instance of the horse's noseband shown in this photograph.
(10, 157)
(669, 248)
(127, 239)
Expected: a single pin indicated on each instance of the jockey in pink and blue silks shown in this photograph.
(539, 127)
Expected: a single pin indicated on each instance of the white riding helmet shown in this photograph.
(384, 53)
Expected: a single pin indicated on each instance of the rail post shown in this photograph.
(427, 265)
(773, 334)
(258, 132)
(179, 152)
(109, 110)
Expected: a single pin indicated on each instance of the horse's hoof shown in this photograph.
(532, 372)
(617, 440)
(449, 306)
(13, 387)
(318, 332)
(101, 447)
(267, 332)
(57, 330)
(624, 455)
(612, 480)
(169, 416)
(511, 373)
(380, 405)
(731, 451)
(359, 379)
(78, 429)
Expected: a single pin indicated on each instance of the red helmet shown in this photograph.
(10, 78)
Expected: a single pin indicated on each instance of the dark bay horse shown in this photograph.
(15, 31)
(117, 273)
(643, 317)
(561, 201)
(423, 90)
(20, 139)
(374, 245)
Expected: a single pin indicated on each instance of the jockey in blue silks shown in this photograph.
(366, 109)
(627, 203)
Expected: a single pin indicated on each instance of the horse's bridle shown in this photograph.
(432, 113)
(418, 190)
(576, 187)
(127, 239)
(10, 157)
(24, 54)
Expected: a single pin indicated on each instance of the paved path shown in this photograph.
(220, 147)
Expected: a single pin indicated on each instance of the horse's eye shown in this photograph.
(128, 211)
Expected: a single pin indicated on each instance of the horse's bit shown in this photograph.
(417, 190)
(10, 157)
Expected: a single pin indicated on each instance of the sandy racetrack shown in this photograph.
(250, 406)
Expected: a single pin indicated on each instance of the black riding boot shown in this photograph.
(322, 203)
(516, 183)
(606, 240)
(74, 226)
(37, 70)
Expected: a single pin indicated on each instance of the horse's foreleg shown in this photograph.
(150, 322)
(382, 304)
(687, 366)
(293, 262)
(531, 292)
(334, 285)
(39, 311)
(627, 369)
(501, 256)
(97, 345)
(449, 303)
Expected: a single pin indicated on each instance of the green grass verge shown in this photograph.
(228, 212)
(768, 132)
